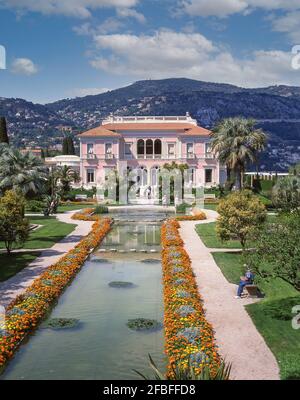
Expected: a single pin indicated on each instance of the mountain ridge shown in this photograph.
(276, 108)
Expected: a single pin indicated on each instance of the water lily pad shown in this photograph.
(99, 260)
(151, 261)
(143, 324)
(120, 284)
(61, 323)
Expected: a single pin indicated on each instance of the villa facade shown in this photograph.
(146, 144)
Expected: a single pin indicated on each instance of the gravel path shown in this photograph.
(237, 337)
(14, 286)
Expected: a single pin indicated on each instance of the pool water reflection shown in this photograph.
(102, 346)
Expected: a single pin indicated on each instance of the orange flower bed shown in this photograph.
(189, 336)
(27, 310)
(199, 217)
(86, 215)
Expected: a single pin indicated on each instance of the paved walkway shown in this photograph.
(14, 286)
(237, 337)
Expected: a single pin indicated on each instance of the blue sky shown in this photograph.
(67, 48)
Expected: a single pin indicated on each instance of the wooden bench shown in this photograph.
(252, 291)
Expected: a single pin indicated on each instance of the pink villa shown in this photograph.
(146, 144)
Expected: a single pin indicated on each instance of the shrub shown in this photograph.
(101, 210)
(181, 208)
(35, 206)
(286, 194)
(277, 253)
(14, 228)
(241, 215)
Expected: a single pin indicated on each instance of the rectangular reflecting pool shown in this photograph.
(102, 346)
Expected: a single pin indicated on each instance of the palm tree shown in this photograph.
(237, 142)
(66, 175)
(21, 172)
(295, 170)
(286, 194)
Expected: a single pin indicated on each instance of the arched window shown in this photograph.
(149, 148)
(141, 147)
(157, 148)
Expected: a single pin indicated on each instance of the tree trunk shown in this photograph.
(238, 178)
(8, 248)
(228, 173)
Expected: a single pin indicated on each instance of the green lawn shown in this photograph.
(11, 265)
(73, 207)
(65, 207)
(44, 237)
(272, 316)
(210, 206)
(51, 232)
(273, 320)
(207, 233)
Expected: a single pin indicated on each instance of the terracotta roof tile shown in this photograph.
(100, 131)
(183, 129)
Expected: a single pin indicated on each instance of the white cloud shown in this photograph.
(219, 8)
(171, 54)
(275, 4)
(224, 8)
(81, 92)
(73, 8)
(289, 24)
(110, 25)
(24, 66)
(130, 13)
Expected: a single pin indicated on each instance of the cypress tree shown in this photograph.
(3, 131)
(65, 148)
(71, 147)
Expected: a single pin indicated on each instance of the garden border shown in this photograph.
(189, 336)
(25, 313)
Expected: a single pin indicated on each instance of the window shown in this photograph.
(149, 148)
(208, 176)
(90, 148)
(140, 147)
(90, 176)
(191, 175)
(128, 149)
(208, 148)
(190, 149)
(171, 150)
(108, 150)
(157, 148)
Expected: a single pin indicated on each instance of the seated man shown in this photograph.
(245, 280)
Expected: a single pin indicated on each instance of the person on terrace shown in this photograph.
(247, 279)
